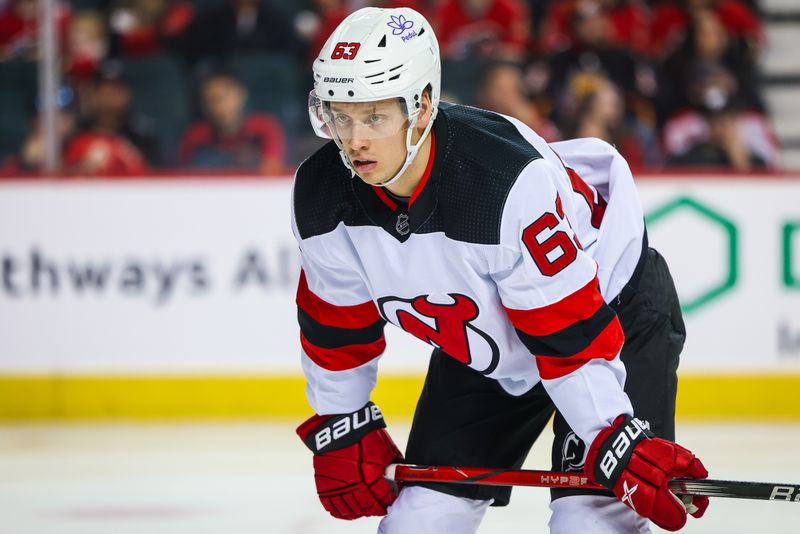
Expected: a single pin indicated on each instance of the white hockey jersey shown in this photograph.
(504, 259)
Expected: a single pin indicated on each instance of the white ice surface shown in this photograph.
(255, 478)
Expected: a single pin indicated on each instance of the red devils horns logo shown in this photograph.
(445, 326)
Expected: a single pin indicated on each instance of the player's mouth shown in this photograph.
(364, 165)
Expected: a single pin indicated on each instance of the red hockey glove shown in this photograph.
(351, 452)
(636, 466)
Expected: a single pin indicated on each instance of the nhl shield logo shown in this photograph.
(402, 226)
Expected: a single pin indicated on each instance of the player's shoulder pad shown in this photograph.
(323, 195)
(532, 194)
(485, 156)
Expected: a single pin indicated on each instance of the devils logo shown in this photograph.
(445, 326)
(573, 453)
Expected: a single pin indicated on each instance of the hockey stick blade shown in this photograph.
(766, 491)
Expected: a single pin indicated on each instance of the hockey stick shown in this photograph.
(766, 491)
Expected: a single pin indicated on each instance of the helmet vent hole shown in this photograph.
(395, 68)
(394, 77)
(350, 93)
(382, 44)
(371, 60)
(374, 75)
(421, 32)
(330, 92)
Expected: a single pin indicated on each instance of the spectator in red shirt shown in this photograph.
(227, 137)
(93, 153)
(88, 153)
(107, 111)
(495, 28)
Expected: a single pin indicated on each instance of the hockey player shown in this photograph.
(526, 267)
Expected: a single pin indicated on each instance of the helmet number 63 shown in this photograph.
(345, 50)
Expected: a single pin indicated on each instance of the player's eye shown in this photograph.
(342, 120)
(376, 120)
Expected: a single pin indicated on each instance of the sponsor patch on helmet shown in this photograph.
(400, 24)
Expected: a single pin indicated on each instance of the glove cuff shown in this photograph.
(612, 449)
(328, 433)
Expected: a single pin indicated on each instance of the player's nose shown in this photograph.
(358, 141)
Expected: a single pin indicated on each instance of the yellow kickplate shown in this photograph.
(752, 397)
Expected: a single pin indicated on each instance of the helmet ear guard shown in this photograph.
(377, 54)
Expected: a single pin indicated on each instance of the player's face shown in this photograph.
(373, 136)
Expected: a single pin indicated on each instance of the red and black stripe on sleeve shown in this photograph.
(567, 334)
(338, 337)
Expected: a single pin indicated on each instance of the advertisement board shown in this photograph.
(182, 278)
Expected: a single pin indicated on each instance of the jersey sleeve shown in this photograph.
(341, 331)
(549, 288)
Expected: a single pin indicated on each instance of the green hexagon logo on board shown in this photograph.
(712, 221)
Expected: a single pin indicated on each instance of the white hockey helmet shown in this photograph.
(377, 54)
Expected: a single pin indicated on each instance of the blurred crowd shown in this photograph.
(148, 86)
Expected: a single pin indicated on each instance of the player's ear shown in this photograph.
(425, 111)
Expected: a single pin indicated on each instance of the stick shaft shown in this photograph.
(556, 479)
(491, 477)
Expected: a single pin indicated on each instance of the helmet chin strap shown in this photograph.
(411, 153)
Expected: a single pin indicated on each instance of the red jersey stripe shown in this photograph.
(598, 207)
(343, 358)
(426, 174)
(578, 306)
(391, 204)
(352, 317)
(606, 345)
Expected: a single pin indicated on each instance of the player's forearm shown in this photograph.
(335, 392)
(590, 398)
